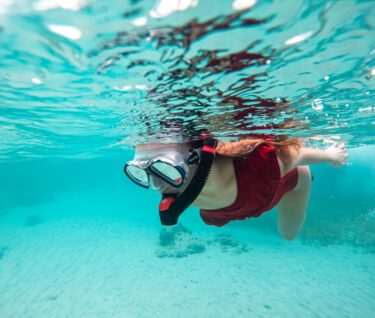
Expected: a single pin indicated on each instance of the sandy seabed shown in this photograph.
(71, 265)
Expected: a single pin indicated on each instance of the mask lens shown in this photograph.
(137, 175)
(167, 172)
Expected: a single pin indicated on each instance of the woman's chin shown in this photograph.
(168, 190)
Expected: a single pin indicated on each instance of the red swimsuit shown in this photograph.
(259, 187)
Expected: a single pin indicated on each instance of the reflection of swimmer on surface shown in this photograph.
(232, 180)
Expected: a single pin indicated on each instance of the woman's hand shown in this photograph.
(338, 154)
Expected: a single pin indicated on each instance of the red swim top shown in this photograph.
(259, 187)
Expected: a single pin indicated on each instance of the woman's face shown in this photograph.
(147, 152)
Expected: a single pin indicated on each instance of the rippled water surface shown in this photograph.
(79, 77)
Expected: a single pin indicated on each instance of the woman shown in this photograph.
(232, 180)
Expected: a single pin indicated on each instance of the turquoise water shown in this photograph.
(82, 81)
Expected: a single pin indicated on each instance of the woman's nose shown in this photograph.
(161, 186)
(157, 184)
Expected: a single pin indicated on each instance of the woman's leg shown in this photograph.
(293, 205)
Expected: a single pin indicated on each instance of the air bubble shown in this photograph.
(36, 80)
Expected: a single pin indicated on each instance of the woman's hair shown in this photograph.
(243, 147)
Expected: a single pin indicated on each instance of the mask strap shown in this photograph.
(193, 158)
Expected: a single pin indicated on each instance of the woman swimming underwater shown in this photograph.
(232, 180)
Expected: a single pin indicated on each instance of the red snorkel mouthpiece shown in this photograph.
(173, 205)
(165, 203)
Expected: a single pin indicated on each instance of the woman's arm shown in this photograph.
(335, 155)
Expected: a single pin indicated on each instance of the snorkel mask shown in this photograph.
(170, 164)
(173, 168)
